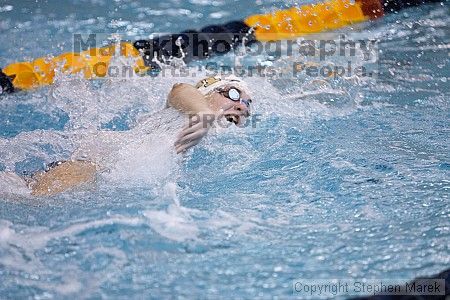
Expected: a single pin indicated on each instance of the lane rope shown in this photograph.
(279, 25)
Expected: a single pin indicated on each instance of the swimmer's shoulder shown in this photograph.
(165, 119)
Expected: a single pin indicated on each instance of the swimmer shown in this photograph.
(211, 99)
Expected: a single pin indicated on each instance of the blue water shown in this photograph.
(347, 181)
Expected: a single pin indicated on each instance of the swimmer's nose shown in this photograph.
(241, 107)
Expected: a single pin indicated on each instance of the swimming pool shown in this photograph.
(347, 180)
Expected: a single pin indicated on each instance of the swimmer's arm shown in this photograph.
(187, 99)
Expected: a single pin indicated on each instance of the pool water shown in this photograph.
(347, 178)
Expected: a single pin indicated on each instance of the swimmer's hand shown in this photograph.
(197, 127)
(191, 134)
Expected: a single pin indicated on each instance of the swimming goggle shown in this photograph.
(235, 95)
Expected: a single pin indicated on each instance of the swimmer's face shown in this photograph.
(234, 111)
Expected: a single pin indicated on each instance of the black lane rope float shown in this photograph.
(279, 25)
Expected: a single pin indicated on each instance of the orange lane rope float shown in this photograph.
(279, 25)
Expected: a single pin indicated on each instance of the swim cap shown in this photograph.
(209, 84)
